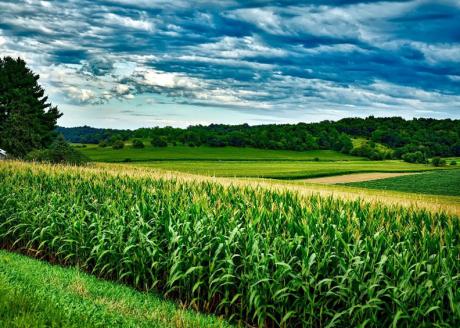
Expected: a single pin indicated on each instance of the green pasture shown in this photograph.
(446, 182)
(284, 169)
(149, 153)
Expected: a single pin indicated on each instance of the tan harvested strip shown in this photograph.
(356, 177)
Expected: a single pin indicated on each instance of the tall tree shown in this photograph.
(27, 119)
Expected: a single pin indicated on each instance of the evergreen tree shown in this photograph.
(27, 119)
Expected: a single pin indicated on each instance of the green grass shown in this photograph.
(445, 182)
(150, 153)
(284, 169)
(36, 294)
(358, 142)
(266, 258)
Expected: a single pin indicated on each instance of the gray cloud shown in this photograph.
(271, 58)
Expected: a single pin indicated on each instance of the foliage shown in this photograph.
(60, 152)
(438, 161)
(103, 143)
(431, 137)
(159, 142)
(34, 294)
(118, 144)
(453, 163)
(138, 144)
(255, 256)
(415, 157)
(439, 182)
(27, 119)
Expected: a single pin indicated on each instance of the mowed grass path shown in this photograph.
(36, 294)
(440, 183)
(283, 169)
(150, 153)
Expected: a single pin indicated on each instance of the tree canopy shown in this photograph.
(27, 119)
(387, 137)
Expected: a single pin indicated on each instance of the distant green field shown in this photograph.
(150, 153)
(446, 182)
(283, 169)
(36, 294)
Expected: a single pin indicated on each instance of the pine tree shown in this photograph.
(27, 119)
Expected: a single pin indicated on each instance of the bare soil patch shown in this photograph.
(356, 177)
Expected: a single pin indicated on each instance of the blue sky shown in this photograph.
(137, 63)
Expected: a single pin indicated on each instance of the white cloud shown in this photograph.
(141, 24)
(233, 47)
(122, 89)
(81, 95)
(161, 79)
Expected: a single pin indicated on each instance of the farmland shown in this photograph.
(180, 153)
(248, 162)
(439, 182)
(253, 255)
(284, 169)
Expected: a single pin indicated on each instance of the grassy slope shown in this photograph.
(283, 169)
(439, 182)
(150, 153)
(357, 142)
(248, 162)
(36, 294)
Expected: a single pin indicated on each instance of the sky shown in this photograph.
(144, 63)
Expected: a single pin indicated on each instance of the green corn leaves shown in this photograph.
(255, 256)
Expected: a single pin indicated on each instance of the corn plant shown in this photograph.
(257, 257)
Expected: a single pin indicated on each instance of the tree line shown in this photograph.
(400, 138)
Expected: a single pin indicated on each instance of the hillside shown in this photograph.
(387, 137)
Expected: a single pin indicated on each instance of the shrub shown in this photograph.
(159, 142)
(138, 143)
(60, 152)
(415, 157)
(118, 144)
(453, 163)
(438, 161)
(103, 143)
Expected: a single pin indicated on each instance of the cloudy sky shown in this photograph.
(133, 63)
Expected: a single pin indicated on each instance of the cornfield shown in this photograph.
(256, 257)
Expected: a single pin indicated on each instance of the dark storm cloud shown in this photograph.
(260, 55)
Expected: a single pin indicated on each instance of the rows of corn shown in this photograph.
(254, 256)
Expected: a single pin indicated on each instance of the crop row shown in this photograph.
(251, 255)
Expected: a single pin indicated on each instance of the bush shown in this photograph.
(60, 152)
(415, 157)
(438, 161)
(453, 163)
(118, 144)
(159, 142)
(103, 143)
(138, 143)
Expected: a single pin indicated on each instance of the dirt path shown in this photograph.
(356, 177)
